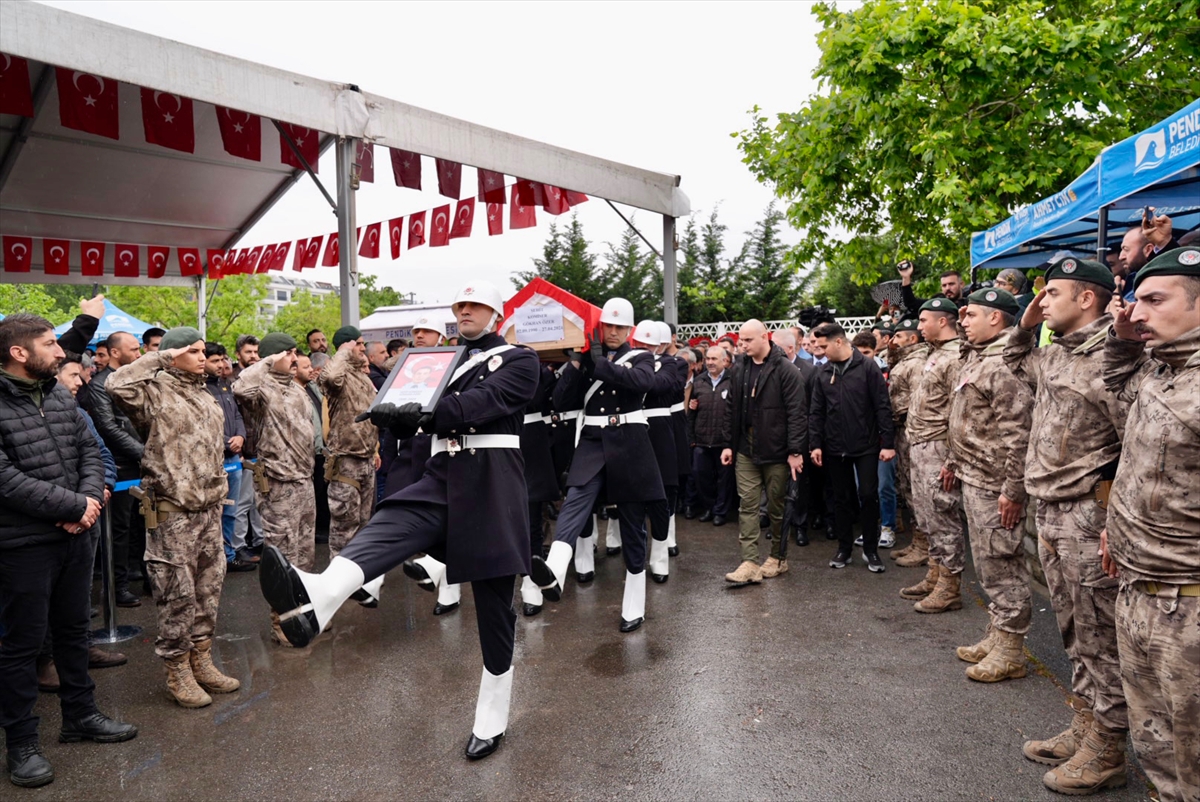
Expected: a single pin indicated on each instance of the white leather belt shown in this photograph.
(677, 407)
(470, 442)
(570, 415)
(535, 417)
(658, 412)
(604, 421)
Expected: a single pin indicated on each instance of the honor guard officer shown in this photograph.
(470, 507)
(613, 455)
(683, 448)
(668, 381)
(540, 478)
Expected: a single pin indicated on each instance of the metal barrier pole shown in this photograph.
(112, 632)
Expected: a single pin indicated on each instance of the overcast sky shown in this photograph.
(655, 85)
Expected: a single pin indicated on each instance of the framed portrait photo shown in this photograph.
(420, 377)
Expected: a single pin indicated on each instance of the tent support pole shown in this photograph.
(307, 168)
(1102, 236)
(347, 241)
(629, 223)
(670, 279)
(201, 308)
(40, 92)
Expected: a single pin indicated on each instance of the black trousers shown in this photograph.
(397, 532)
(321, 491)
(49, 583)
(715, 485)
(575, 520)
(537, 535)
(125, 518)
(855, 500)
(659, 513)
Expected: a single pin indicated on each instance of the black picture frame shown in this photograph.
(399, 387)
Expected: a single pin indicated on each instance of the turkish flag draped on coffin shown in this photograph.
(241, 133)
(16, 97)
(56, 257)
(88, 103)
(406, 168)
(307, 142)
(168, 120)
(464, 218)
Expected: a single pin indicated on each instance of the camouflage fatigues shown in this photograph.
(999, 560)
(350, 507)
(1154, 537)
(351, 448)
(185, 564)
(901, 379)
(1075, 436)
(289, 519)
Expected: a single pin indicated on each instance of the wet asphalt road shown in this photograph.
(818, 685)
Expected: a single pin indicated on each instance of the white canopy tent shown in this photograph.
(64, 184)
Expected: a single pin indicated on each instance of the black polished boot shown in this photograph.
(479, 748)
(96, 727)
(27, 766)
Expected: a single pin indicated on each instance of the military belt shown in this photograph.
(535, 417)
(333, 475)
(471, 442)
(1154, 588)
(1103, 490)
(657, 412)
(677, 408)
(604, 421)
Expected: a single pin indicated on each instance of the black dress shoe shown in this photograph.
(96, 727)
(830, 534)
(585, 577)
(365, 599)
(818, 522)
(238, 566)
(544, 578)
(630, 626)
(284, 591)
(127, 599)
(27, 766)
(478, 748)
(612, 551)
(706, 516)
(672, 551)
(659, 578)
(418, 573)
(801, 537)
(530, 610)
(442, 609)
(690, 513)
(719, 520)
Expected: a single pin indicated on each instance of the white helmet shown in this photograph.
(646, 332)
(481, 292)
(617, 312)
(664, 333)
(433, 320)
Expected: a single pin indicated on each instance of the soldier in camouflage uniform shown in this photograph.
(183, 479)
(1074, 444)
(352, 451)
(989, 433)
(937, 501)
(906, 354)
(1153, 528)
(279, 410)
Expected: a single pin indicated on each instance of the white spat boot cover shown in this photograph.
(558, 560)
(660, 562)
(612, 533)
(585, 556)
(491, 710)
(670, 534)
(633, 606)
(448, 593)
(531, 593)
(328, 590)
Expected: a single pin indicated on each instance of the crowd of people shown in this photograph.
(1077, 401)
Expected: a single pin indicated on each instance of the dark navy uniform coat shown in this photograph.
(540, 477)
(662, 430)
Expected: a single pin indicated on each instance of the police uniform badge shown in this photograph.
(495, 362)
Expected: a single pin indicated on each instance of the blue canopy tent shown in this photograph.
(1158, 167)
(114, 320)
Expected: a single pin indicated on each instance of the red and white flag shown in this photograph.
(464, 218)
(88, 103)
(332, 252)
(491, 186)
(168, 120)
(126, 261)
(439, 227)
(235, 263)
(575, 198)
(56, 257)
(280, 258)
(495, 213)
(16, 96)
(252, 258)
(18, 254)
(189, 261)
(531, 193)
(520, 214)
(301, 251)
(416, 230)
(370, 242)
(395, 232)
(556, 200)
(265, 259)
(406, 168)
(364, 157)
(449, 178)
(216, 259)
(156, 260)
(308, 142)
(241, 133)
(312, 252)
(92, 256)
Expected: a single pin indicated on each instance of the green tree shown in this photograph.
(307, 312)
(567, 263)
(936, 118)
(710, 296)
(765, 287)
(34, 299)
(234, 308)
(688, 264)
(371, 297)
(160, 306)
(633, 274)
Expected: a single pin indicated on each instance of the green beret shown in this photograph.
(344, 335)
(1082, 270)
(884, 326)
(939, 305)
(180, 337)
(995, 298)
(1177, 262)
(275, 343)
(908, 324)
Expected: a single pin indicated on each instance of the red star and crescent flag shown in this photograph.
(241, 133)
(449, 179)
(168, 120)
(416, 230)
(364, 157)
(308, 142)
(333, 253)
(156, 260)
(495, 216)
(520, 213)
(189, 261)
(370, 241)
(92, 254)
(406, 168)
(18, 254)
(88, 103)
(439, 227)
(464, 218)
(15, 95)
(126, 261)
(56, 257)
(395, 232)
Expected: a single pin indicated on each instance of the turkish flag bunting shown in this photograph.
(168, 120)
(264, 261)
(252, 260)
(241, 133)
(575, 198)
(364, 157)
(521, 214)
(56, 257)
(92, 255)
(301, 252)
(556, 200)
(156, 260)
(15, 95)
(491, 186)
(395, 231)
(406, 168)
(464, 218)
(370, 242)
(216, 263)
(235, 263)
(495, 213)
(280, 257)
(18, 254)
(307, 142)
(126, 261)
(88, 103)
(332, 252)
(312, 252)
(189, 261)
(531, 193)
(439, 227)
(449, 178)
(416, 230)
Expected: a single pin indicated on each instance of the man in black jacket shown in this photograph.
(766, 438)
(707, 413)
(850, 431)
(51, 493)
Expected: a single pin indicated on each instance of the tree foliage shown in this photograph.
(34, 299)
(307, 312)
(936, 118)
(567, 263)
(633, 273)
(765, 281)
(371, 297)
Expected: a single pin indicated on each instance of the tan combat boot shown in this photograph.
(182, 684)
(1059, 749)
(748, 573)
(973, 654)
(773, 568)
(946, 595)
(277, 632)
(918, 553)
(924, 587)
(1098, 764)
(1006, 660)
(207, 675)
